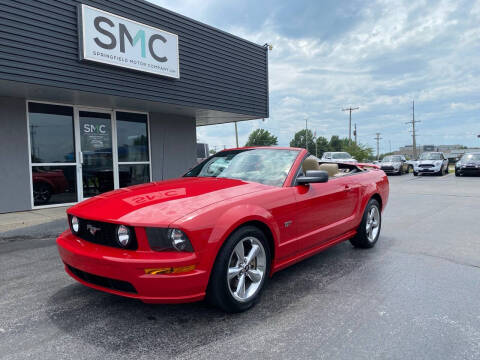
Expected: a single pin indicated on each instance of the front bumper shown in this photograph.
(111, 269)
(430, 170)
(390, 170)
(467, 170)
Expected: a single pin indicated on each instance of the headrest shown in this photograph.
(331, 169)
(310, 164)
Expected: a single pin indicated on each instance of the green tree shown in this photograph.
(322, 146)
(261, 137)
(335, 143)
(360, 152)
(299, 141)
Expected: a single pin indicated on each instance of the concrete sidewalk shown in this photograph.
(24, 219)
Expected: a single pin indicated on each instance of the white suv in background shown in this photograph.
(340, 157)
(431, 163)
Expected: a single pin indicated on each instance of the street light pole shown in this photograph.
(236, 134)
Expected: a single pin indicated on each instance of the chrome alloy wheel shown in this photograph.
(246, 269)
(373, 223)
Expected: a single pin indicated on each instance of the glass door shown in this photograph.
(96, 168)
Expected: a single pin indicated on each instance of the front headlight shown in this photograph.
(162, 239)
(179, 240)
(123, 235)
(438, 163)
(75, 224)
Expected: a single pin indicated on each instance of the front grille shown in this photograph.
(103, 233)
(427, 165)
(105, 282)
(387, 167)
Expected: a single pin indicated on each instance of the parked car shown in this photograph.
(431, 163)
(221, 231)
(46, 183)
(395, 164)
(343, 157)
(469, 164)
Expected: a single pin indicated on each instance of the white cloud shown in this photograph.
(397, 51)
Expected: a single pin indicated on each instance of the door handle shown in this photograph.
(80, 156)
(347, 188)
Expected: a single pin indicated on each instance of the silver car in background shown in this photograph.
(431, 163)
(394, 164)
(340, 156)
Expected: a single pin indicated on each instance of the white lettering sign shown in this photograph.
(114, 40)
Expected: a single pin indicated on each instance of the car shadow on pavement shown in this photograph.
(125, 325)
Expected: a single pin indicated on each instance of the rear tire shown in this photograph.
(237, 283)
(369, 230)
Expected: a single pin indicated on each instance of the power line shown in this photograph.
(350, 109)
(414, 135)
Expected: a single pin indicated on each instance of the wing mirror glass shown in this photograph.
(313, 176)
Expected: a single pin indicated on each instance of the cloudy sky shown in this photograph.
(377, 55)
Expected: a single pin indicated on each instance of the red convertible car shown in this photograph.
(222, 229)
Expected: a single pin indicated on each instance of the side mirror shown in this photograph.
(313, 176)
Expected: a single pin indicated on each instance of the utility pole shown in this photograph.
(236, 134)
(414, 134)
(306, 128)
(378, 138)
(390, 143)
(350, 109)
(355, 133)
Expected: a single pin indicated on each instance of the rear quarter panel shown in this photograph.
(372, 182)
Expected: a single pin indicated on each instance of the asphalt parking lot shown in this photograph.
(415, 295)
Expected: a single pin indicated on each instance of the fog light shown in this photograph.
(169, 270)
(123, 235)
(75, 224)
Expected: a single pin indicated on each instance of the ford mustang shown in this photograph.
(224, 228)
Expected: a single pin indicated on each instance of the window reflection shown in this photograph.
(54, 184)
(132, 137)
(51, 133)
(133, 174)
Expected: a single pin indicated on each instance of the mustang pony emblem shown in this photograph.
(92, 229)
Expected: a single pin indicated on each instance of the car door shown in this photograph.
(324, 210)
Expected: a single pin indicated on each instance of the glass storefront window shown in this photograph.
(132, 137)
(73, 152)
(54, 185)
(97, 157)
(51, 133)
(133, 174)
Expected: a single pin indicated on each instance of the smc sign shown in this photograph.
(114, 40)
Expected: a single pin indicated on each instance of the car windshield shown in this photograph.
(471, 157)
(265, 166)
(392, 158)
(341, 155)
(431, 156)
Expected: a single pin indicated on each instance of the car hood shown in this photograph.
(430, 162)
(470, 162)
(390, 163)
(161, 203)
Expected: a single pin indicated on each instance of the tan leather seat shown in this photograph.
(331, 169)
(310, 164)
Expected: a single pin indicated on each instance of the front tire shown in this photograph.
(415, 173)
(240, 270)
(369, 229)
